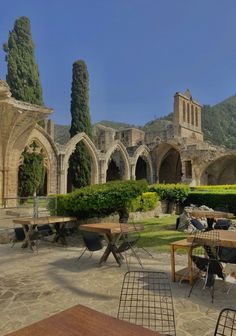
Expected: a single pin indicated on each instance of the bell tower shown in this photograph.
(187, 117)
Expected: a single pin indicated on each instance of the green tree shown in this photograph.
(31, 172)
(80, 162)
(22, 70)
(23, 80)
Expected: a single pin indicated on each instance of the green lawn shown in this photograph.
(159, 233)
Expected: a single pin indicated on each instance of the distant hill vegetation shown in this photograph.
(218, 124)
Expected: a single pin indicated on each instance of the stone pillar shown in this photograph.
(132, 171)
(102, 171)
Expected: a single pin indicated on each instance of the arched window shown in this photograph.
(192, 115)
(184, 111)
(196, 116)
(188, 114)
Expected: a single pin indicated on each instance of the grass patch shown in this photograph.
(159, 233)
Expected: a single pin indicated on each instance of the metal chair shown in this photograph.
(129, 241)
(19, 235)
(226, 323)
(146, 300)
(92, 243)
(207, 261)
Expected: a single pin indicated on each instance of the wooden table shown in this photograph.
(186, 273)
(82, 321)
(227, 238)
(30, 225)
(112, 233)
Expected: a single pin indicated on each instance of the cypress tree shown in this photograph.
(22, 70)
(80, 162)
(23, 80)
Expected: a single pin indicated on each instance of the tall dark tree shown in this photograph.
(23, 80)
(22, 70)
(80, 162)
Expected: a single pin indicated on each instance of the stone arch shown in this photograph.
(143, 153)
(69, 149)
(221, 171)
(117, 146)
(50, 150)
(169, 167)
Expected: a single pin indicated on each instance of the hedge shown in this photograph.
(216, 200)
(100, 200)
(171, 192)
(145, 202)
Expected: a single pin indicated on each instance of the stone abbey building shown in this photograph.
(177, 154)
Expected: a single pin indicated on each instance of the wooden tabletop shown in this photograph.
(227, 238)
(110, 228)
(82, 321)
(210, 214)
(43, 220)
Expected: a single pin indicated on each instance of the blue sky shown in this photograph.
(138, 52)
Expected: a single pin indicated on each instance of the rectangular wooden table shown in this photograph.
(227, 238)
(30, 225)
(112, 233)
(82, 321)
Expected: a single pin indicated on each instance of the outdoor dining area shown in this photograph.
(108, 284)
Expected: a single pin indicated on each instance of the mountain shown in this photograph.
(218, 124)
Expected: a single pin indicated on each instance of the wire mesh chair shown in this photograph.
(146, 300)
(226, 323)
(129, 241)
(206, 259)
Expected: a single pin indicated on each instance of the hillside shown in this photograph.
(218, 124)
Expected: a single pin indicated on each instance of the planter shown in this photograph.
(164, 206)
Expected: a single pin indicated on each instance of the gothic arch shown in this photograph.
(143, 152)
(70, 147)
(221, 171)
(118, 146)
(168, 165)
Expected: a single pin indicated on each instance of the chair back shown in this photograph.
(146, 300)
(92, 241)
(226, 323)
(19, 234)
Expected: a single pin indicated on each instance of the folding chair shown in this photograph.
(146, 300)
(226, 323)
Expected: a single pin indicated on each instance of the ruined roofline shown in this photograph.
(5, 96)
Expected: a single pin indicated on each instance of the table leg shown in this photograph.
(111, 248)
(172, 256)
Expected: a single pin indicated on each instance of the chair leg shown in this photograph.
(147, 252)
(82, 254)
(194, 284)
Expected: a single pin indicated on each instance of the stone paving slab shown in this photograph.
(34, 286)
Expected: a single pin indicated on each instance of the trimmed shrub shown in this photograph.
(101, 200)
(217, 199)
(145, 202)
(171, 192)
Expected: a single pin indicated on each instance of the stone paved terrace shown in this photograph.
(35, 286)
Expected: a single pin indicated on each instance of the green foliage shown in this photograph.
(145, 202)
(22, 71)
(214, 199)
(216, 188)
(171, 192)
(100, 200)
(31, 174)
(80, 165)
(219, 123)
